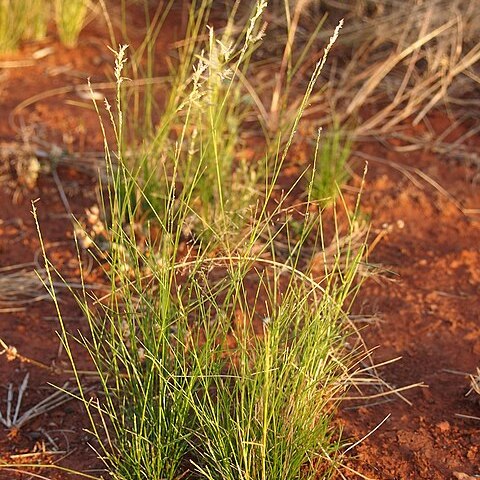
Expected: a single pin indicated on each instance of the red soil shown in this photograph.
(428, 314)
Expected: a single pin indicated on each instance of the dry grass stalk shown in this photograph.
(14, 420)
(475, 383)
(20, 287)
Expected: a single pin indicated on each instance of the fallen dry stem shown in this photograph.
(11, 353)
(475, 383)
(20, 468)
(410, 173)
(14, 420)
(19, 287)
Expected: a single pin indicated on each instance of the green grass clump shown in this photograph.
(270, 414)
(217, 367)
(14, 15)
(28, 19)
(197, 138)
(70, 18)
(329, 171)
(39, 13)
(214, 363)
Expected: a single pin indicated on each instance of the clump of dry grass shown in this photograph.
(19, 286)
(14, 418)
(397, 60)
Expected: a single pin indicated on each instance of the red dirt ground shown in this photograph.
(428, 314)
(426, 303)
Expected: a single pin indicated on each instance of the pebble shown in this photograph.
(443, 426)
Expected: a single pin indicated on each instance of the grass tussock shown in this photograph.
(198, 138)
(13, 23)
(70, 18)
(219, 355)
(39, 13)
(330, 170)
(28, 20)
